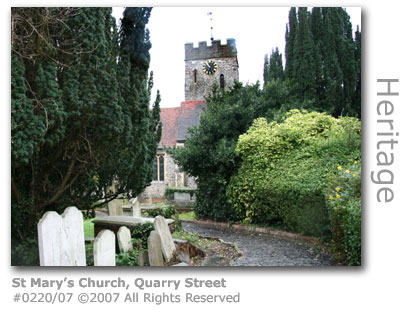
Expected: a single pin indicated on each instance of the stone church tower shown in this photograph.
(204, 67)
(209, 65)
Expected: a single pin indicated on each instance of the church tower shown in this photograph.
(209, 65)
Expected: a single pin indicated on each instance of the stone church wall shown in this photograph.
(173, 177)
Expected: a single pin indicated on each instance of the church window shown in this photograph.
(222, 84)
(159, 168)
(195, 76)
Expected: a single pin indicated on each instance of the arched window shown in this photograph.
(195, 76)
(159, 167)
(222, 84)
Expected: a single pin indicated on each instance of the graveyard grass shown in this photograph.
(89, 228)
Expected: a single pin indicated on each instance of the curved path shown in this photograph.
(264, 249)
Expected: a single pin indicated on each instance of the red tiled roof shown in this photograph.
(176, 121)
(169, 119)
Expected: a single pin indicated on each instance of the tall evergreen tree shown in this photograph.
(273, 66)
(304, 57)
(356, 100)
(290, 35)
(80, 116)
(323, 62)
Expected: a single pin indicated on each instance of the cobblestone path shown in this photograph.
(263, 249)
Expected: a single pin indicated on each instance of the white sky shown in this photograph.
(257, 31)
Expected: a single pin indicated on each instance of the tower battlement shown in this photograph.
(216, 50)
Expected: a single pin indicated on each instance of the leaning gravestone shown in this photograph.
(124, 239)
(61, 238)
(155, 250)
(104, 249)
(168, 247)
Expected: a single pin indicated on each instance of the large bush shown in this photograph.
(282, 177)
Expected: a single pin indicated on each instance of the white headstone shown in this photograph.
(124, 239)
(104, 249)
(61, 238)
(155, 249)
(168, 247)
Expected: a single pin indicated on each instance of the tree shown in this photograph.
(356, 100)
(290, 34)
(321, 60)
(273, 66)
(209, 152)
(80, 112)
(305, 62)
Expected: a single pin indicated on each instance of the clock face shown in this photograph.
(210, 67)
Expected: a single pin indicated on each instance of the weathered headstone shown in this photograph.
(143, 258)
(124, 239)
(136, 207)
(104, 249)
(61, 238)
(155, 249)
(167, 245)
(181, 196)
(115, 207)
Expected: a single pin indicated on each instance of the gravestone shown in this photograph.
(155, 249)
(181, 196)
(61, 238)
(143, 258)
(136, 207)
(167, 245)
(104, 249)
(124, 239)
(115, 207)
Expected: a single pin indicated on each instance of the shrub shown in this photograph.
(343, 200)
(282, 178)
(25, 253)
(166, 211)
(127, 258)
(140, 234)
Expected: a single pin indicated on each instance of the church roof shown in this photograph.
(177, 121)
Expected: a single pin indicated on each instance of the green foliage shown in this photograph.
(89, 228)
(209, 153)
(127, 258)
(323, 60)
(273, 66)
(25, 253)
(141, 232)
(166, 211)
(170, 192)
(282, 178)
(343, 200)
(80, 110)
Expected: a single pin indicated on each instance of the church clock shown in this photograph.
(209, 67)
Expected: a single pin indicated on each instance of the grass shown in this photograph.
(187, 215)
(88, 228)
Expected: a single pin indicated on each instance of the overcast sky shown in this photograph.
(257, 31)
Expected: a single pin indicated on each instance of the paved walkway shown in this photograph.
(263, 249)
